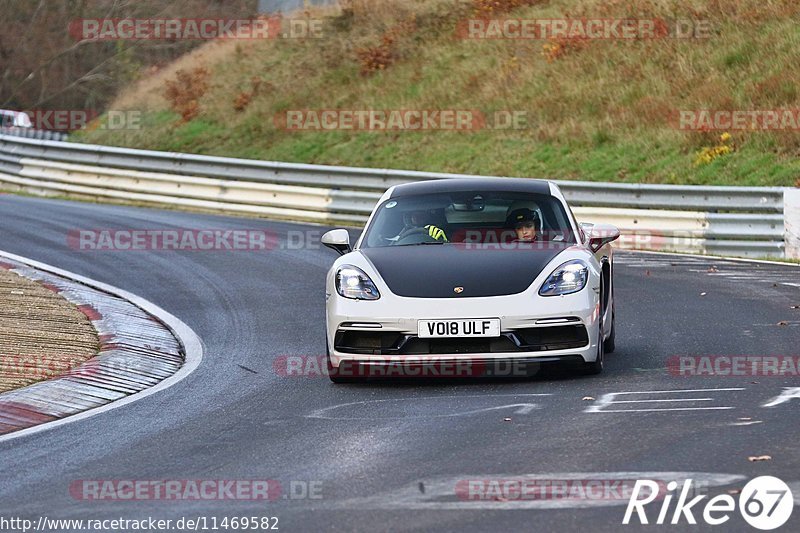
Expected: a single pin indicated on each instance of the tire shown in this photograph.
(609, 345)
(596, 367)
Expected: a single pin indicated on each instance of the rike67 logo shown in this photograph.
(765, 503)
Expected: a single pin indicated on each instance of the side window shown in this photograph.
(581, 234)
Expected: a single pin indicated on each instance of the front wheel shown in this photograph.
(610, 345)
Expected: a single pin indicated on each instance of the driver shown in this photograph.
(419, 220)
(525, 223)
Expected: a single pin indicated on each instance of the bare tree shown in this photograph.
(44, 65)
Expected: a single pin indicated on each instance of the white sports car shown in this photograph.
(465, 277)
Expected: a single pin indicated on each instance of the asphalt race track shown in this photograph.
(391, 458)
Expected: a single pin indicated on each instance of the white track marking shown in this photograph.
(326, 413)
(192, 345)
(667, 400)
(788, 394)
(706, 258)
(609, 399)
(521, 409)
(795, 486)
(665, 409)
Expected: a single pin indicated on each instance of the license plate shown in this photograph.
(470, 327)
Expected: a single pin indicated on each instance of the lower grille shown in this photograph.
(417, 346)
(553, 338)
(367, 342)
(522, 340)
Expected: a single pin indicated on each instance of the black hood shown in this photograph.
(434, 271)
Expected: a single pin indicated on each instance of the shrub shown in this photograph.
(489, 8)
(376, 58)
(185, 91)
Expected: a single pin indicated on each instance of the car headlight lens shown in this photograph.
(353, 283)
(566, 279)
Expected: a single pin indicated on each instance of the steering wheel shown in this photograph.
(413, 236)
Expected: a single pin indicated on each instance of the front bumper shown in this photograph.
(474, 367)
(533, 329)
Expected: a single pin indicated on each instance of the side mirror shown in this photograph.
(337, 239)
(586, 228)
(602, 234)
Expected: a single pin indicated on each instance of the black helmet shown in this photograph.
(523, 216)
(420, 214)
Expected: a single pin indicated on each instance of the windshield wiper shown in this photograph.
(422, 243)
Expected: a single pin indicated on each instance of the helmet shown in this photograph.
(417, 217)
(524, 216)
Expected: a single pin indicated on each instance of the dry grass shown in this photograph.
(596, 109)
(148, 92)
(42, 335)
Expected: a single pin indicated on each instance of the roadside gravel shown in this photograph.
(42, 335)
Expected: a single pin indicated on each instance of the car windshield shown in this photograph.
(468, 217)
(23, 120)
(6, 120)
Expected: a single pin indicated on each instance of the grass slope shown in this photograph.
(597, 109)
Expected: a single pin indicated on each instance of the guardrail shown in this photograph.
(740, 221)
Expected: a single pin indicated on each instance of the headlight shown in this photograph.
(566, 279)
(352, 282)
